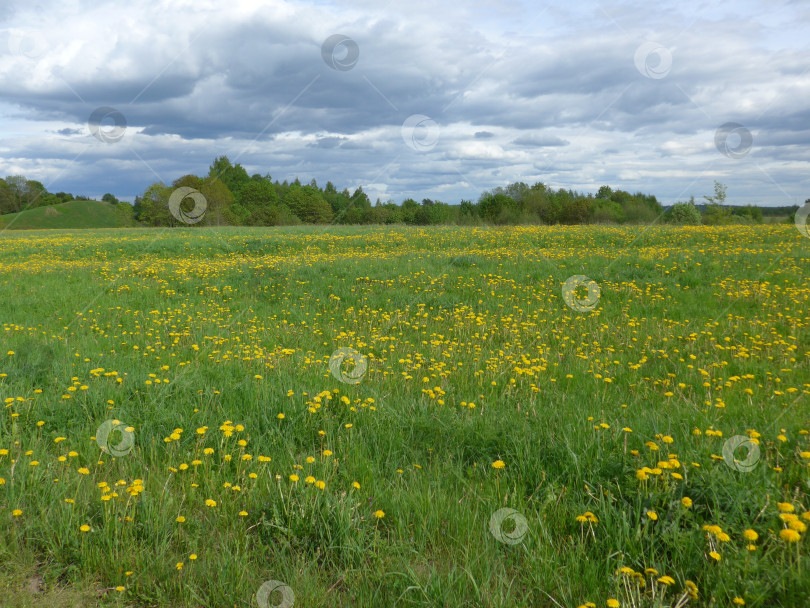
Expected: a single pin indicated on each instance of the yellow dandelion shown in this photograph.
(797, 525)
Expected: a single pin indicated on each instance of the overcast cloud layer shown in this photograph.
(425, 99)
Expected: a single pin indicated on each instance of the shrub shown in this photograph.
(636, 212)
(683, 213)
(608, 211)
(576, 211)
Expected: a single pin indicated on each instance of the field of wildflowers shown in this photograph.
(524, 416)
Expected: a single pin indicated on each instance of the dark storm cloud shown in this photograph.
(519, 92)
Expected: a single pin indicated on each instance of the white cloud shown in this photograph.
(555, 90)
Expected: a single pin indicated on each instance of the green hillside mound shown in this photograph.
(73, 214)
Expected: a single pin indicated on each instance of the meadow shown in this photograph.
(398, 417)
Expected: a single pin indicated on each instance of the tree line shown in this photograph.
(232, 197)
(18, 193)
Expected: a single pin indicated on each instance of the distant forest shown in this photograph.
(232, 197)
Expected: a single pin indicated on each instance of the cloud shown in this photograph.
(538, 141)
(328, 142)
(519, 92)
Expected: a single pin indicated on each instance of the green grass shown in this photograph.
(696, 329)
(73, 214)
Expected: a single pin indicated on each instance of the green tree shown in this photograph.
(408, 210)
(154, 206)
(576, 210)
(38, 195)
(717, 213)
(542, 204)
(683, 213)
(8, 200)
(259, 199)
(498, 208)
(608, 211)
(218, 198)
(467, 212)
(719, 196)
(233, 176)
(257, 193)
(308, 205)
(127, 214)
(18, 187)
(604, 192)
(110, 198)
(639, 212)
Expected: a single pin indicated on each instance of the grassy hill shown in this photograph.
(73, 214)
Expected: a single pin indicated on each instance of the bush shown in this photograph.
(237, 215)
(717, 215)
(308, 205)
(576, 211)
(608, 212)
(498, 208)
(637, 212)
(683, 213)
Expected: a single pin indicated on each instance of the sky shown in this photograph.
(414, 99)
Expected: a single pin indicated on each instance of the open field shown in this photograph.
(241, 457)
